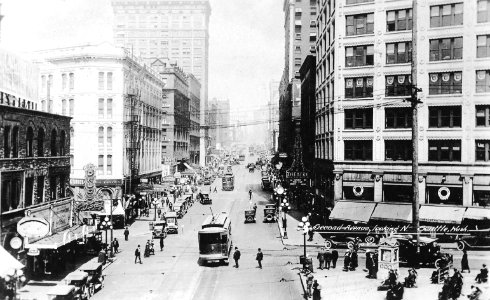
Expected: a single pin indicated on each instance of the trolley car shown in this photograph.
(215, 239)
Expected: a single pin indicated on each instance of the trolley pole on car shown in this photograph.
(415, 136)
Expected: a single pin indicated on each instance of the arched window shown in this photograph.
(62, 143)
(101, 136)
(29, 142)
(6, 142)
(15, 142)
(109, 136)
(40, 142)
(53, 142)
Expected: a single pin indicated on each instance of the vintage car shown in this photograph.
(159, 229)
(172, 222)
(180, 208)
(476, 240)
(95, 276)
(270, 213)
(207, 181)
(205, 199)
(337, 241)
(430, 251)
(79, 280)
(62, 292)
(250, 216)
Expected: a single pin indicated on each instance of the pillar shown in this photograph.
(467, 189)
(34, 191)
(338, 185)
(422, 188)
(378, 187)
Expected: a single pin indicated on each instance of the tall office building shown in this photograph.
(364, 76)
(273, 116)
(174, 29)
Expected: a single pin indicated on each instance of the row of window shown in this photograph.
(105, 108)
(439, 150)
(439, 117)
(108, 164)
(11, 146)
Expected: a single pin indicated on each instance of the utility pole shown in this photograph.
(415, 135)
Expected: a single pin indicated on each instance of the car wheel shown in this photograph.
(460, 245)
(328, 244)
(369, 239)
(350, 245)
(438, 263)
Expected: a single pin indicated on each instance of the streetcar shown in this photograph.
(228, 182)
(215, 241)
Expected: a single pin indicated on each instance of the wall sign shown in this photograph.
(33, 228)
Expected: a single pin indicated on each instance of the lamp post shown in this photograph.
(285, 208)
(304, 225)
(107, 224)
(154, 202)
(12, 278)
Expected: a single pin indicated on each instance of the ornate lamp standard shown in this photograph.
(12, 279)
(154, 202)
(285, 207)
(107, 224)
(304, 225)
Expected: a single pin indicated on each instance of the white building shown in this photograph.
(104, 88)
(364, 75)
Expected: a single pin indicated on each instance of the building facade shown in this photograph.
(222, 128)
(178, 30)
(273, 116)
(116, 105)
(194, 112)
(364, 72)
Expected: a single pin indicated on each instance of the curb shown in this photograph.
(305, 295)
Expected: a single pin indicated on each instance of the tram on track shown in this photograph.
(215, 240)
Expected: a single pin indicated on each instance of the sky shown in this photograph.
(246, 39)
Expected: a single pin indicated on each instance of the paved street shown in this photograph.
(175, 273)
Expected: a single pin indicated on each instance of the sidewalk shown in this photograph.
(294, 236)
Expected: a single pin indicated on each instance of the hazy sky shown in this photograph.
(246, 39)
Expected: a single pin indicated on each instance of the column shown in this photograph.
(378, 186)
(422, 188)
(34, 191)
(467, 189)
(338, 185)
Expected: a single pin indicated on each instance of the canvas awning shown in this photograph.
(477, 213)
(393, 212)
(188, 166)
(354, 211)
(59, 239)
(9, 262)
(441, 214)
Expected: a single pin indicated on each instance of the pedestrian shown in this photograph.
(321, 258)
(161, 243)
(346, 261)
(137, 254)
(335, 256)
(115, 244)
(310, 234)
(126, 234)
(255, 207)
(483, 276)
(236, 256)
(259, 258)
(328, 259)
(464, 262)
(215, 189)
(353, 260)
(250, 194)
(309, 285)
(316, 291)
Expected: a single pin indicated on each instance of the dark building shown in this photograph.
(308, 76)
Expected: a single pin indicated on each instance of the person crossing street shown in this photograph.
(259, 258)
(137, 254)
(236, 256)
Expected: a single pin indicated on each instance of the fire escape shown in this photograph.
(132, 139)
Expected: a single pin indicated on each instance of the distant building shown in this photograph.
(308, 77)
(273, 115)
(222, 127)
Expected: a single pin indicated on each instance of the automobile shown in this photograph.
(270, 213)
(79, 280)
(476, 240)
(339, 241)
(430, 251)
(205, 199)
(95, 276)
(62, 292)
(250, 216)
(207, 181)
(159, 229)
(172, 222)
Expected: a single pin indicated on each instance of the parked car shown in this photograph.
(476, 240)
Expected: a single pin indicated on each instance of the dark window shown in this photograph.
(398, 117)
(483, 46)
(40, 142)
(398, 53)
(483, 8)
(6, 142)
(483, 115)
(358, 150)
(482, 148)
(444, 150)
(359, 87)
(398, 85)
(358, 1)
(483, 81)
(446, 49)
(62, 143)
(15, 142)
(397, 20)
(359, 118)
(29, 142)
(53, 142)
(445, 83)
(100, 166)
(446, 15)
(359, 56)
(445, 116)
(360, 24)
(398, 150)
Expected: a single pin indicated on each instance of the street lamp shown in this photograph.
(154, 202)
(12, 278)
(304, 225)
(285, 207)
(107, 224)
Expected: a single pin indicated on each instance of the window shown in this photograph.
(109, 136)
(109, 108)
(29, 142)
(40, 142)
(444, 150)
(360, 24)
(359, 87)
(15, 142)
(398, 85)
(53, 142)
(483, 81)
(446, 49)
(109, 165)
(483, 115)
(109, 80)
(483, 8)
(6, 141)
(101, 136)
(101, 108)
(71, 105)
(63, 81)
(100, 167)
(101, 80)
(445, 116)
(399, 53)
(358, 118)
(398, 117)
(358, 150)
(446, 15)
(359, 56)
(483, 46)
(397, 20)
(445, 83)
(62, 143)
(63, 107)
(358, 1)
(72, 81)
(398, 150)
(482, 149)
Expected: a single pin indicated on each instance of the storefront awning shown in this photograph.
(60, 238)
(441, 214)
(188, 166)
(477, 213)
(354, 211)
(393, 212)
(9, 263)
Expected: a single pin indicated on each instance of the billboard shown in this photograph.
(18, 77)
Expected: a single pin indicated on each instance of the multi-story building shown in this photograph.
(308, 99)
(1, 17)
(222, 127)
(178, 30)
(364, 69)
(273, 116)
(194, 109)
(116, 106)
(300, 36)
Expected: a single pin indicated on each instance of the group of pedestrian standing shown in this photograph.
(327, 258)
(350, 260)
(259, 257)
(313, 288)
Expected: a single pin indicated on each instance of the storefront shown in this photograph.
(353, 211)
(444, 189)
(358, 186)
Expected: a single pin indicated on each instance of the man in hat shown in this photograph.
(321, 258)
(236, 256)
